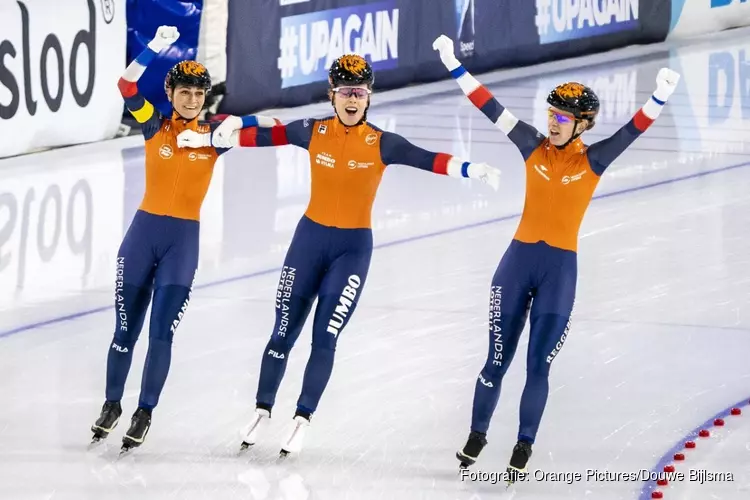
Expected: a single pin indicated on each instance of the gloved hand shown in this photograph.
(485, 173)
(666, 82)
(192, 139)
(444, 46)
(223, 133)
(165, 36)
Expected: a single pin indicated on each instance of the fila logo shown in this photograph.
(484, 381)
(119, 349)
(165, 151)
(572, 178)
(541, 169)
(322, 128)
(275, 354)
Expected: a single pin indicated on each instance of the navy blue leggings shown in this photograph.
(540, 279)
(324, 262)
(158, 256)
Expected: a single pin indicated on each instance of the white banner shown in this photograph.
(697, 17)
(61, 223)
(59, 66)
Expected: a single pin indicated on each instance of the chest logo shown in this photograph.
(322, 128)
(360, 164)
(198, 156)
(541, 170)
(325, 159)
(165, 151)
(371, 139)
(572, 178)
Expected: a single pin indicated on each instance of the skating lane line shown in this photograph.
(650, 487)
(69, 317)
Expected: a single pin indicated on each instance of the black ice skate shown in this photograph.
(472, 448)
(139, 425)
(518, 461)
(107, 421)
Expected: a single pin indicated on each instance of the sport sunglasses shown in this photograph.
(358, 92)
(561, 118)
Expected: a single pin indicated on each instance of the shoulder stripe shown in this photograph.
(145, 113)
(127, 88)
(278, 136)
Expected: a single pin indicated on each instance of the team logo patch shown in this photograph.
(572, 178)
(570, 90)
(165, 151)
(192, 68)
(371, 139)
(322, 128)
(353, 64)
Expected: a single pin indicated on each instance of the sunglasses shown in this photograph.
(357, 92)
(561, 118)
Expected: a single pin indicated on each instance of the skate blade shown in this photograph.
(245, 446)
(513, 475)
(464, 461)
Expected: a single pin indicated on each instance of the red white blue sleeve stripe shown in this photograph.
(484, 100)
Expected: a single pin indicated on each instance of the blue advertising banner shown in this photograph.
(279, 51)
(560, 21)
(309, 43)
(144, 17)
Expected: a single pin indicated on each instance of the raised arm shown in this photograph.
(142, 110)
(394, 149)
(524, 136)
(603, 153)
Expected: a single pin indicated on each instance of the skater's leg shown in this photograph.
(175, 274)
(135, 266)
(510, 296)
(550, 321)
(298, 286)
(340, 292)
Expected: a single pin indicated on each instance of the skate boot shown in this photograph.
(107, 421)
(252, 430)
(518, 460)
(295, 438)
(472, 448)
(139, 426)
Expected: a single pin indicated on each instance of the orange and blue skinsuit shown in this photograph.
(159, 254)
(537, 274)
(329, 256)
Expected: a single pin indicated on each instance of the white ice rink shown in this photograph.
(659, 343)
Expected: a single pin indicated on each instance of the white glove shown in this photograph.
(165, 36)
(192, 139)
(223, 134)
(444, 46)
(485, 173)
(666, 82)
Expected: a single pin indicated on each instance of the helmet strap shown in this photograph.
(575, 135)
